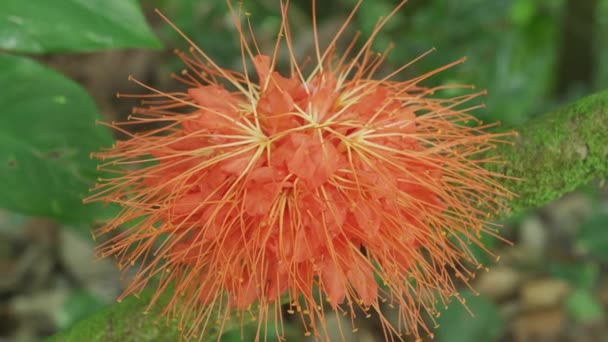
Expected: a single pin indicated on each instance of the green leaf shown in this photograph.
(47, 133)
(581, 275)
(457, 324)
(522, 12)
(592, 238)
(41, 26)
(583, 306)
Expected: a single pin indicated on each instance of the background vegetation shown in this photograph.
(61, 63)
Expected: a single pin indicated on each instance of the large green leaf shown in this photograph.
(47, 131)
(40, 26)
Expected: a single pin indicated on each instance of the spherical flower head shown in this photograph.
(321, 185)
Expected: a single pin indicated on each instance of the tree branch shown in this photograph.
(557, 152)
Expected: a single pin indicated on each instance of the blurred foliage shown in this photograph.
(583, 306)
(47, 121)
(592, 237)
(581, 303)
(601, 46)
(476, 319)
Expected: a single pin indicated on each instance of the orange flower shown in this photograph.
(325, 185)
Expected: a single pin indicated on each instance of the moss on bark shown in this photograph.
(557, 152)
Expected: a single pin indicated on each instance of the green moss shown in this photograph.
(125, 322)
(557, 152)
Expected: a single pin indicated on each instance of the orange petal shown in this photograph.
(333, 283)
(214, 98)
(361, 277)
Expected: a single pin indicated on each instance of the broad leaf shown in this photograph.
(47, 131)
(41, 26)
